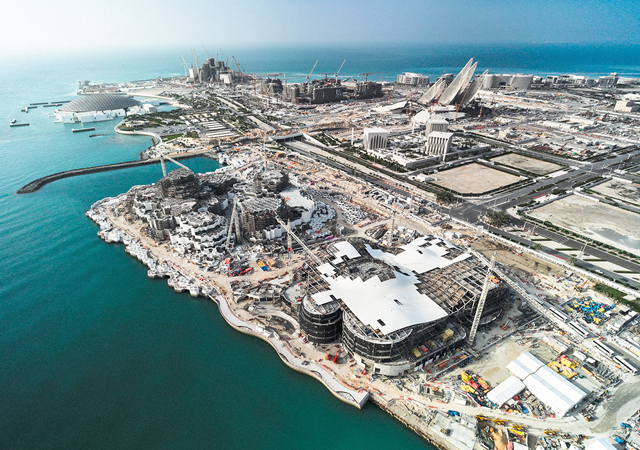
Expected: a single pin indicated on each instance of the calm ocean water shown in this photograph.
(93, 354)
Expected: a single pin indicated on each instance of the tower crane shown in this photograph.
(186, 67)
(289, 243)
(298, 240)
(164, 169)
(239, 70)
(481, 301)
(234, 221)
(311, 73)
(366, 75)
(338, 72)
(393, 224)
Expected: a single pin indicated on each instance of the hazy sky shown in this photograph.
(36, 26)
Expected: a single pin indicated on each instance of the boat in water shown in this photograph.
(97, 134)
(13, 121)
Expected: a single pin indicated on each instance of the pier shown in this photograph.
(35, 185)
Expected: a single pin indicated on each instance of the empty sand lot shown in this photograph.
(473, 179)
(604, 223)
(627, 192)
(525, 163)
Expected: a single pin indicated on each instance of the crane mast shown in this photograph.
(393, 224)
(481, 301)
(234, 221)
(299, 241)
(164, 170)
(289, 243)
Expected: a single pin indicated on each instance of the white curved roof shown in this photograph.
(100, 102)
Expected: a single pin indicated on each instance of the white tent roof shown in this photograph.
(600, 444)
(553, 390)
(524, 365)
(505, 390)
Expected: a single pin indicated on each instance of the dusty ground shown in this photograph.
(593, 219)
(525, 163)
(627, 192)
(473, 179)
(525, 262)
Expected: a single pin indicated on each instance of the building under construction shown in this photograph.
(329, 90)
(396, 310)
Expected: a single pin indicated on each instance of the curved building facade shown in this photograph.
(99, 102)
(321, 324)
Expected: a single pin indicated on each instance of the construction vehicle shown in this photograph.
(517, 426)
(481, 417)
(518, 432)
(500, 421)
(550, 432)
(468, 389)
(506, 324)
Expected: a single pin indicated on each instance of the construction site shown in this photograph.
(310, 240)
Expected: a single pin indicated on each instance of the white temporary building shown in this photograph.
(524, 365)
(553, 390)
(600, 444)
(505, 390)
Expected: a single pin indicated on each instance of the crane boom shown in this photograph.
(311, 73)
(299, 241)
(481, 301)
(338, 72)
(234, 220)
(173, 161)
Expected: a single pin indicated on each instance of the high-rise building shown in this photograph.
(435, 125)
(375, 138)
(518, 81)
(439, 143)
(413, 79)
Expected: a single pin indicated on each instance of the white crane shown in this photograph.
(393, 224)
(481, 301)
(234, 221)
(299, 241)
(311, 73)
(164, 169)
(338, 72)
(289, 243)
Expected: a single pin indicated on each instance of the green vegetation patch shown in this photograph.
(171, 137)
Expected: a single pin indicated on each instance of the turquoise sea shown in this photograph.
(93, 354)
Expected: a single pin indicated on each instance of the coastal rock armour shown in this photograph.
(181, 282)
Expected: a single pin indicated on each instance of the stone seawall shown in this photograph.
(33, 186)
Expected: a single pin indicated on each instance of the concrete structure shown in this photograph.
(413, 79)
(435, 125)
(375, 138)
(518, 81)
(439, 143)
(609, 81)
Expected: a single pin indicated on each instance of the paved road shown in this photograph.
(472, 209)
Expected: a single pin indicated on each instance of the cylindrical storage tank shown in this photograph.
(321, 324)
